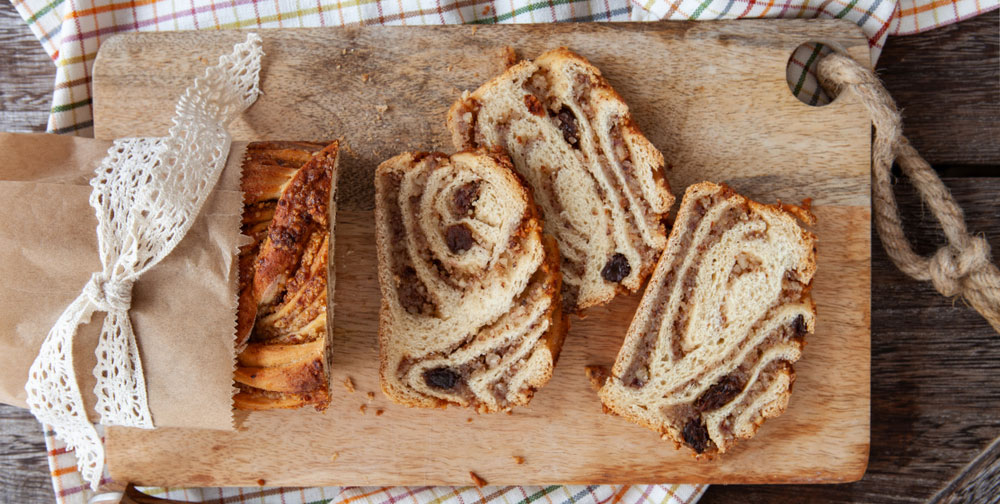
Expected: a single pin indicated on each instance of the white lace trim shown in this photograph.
(147, 194)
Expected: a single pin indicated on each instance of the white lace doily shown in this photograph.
(147, 194)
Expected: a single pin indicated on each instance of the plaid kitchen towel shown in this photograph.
(71, 32)
(593, 494)
(70, 489)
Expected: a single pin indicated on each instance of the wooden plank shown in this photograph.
(978, 482)
(761, 140)
(26, 75)
(23, 474)
(947, 84)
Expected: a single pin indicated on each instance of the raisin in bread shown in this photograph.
(597, 181)
(709, 353)
(282, 338)
(471, 312)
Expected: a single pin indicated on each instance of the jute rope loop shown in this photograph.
(962, 267)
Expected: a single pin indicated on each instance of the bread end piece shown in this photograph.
(283, 335)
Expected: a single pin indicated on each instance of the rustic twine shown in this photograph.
(963, 266)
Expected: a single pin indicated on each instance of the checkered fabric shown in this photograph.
(70, 489)
(596, 494)
(67, 483)
(72, 30)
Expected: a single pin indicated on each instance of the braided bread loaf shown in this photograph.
(471, 313)
(598, 182)
(709, 353)
(282, 336)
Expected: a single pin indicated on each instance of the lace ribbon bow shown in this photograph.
(147, 193)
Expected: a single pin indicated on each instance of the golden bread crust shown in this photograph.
(281, 316)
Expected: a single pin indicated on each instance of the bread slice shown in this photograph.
(709, 353)
(471, 312)
(282, 333)
(597, 181)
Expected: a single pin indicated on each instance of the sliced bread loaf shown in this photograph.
(597, 180)
(708, 356)
(471, 313)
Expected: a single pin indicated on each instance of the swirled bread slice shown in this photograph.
(709, 353)
(597, 180)
(471, 313)
(282, 337)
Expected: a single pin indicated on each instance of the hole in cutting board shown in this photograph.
(801, 73)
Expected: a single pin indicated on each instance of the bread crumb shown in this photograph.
(338, 67)
(349, 384)
(518, 459)
(597, 375)
(478, 480)
(381, 109)
(363, 408)
(333, 458)
(474, 29)
(450, 67)
(468, 420)
(379, 412)
(347, 147)
(364, 77)
(371, 395)
(507, 57)
(344, 51)
(261, 482)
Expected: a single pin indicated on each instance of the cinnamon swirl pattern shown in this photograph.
(597, 180)
(282, 337)
(708, 356)
(471, 312)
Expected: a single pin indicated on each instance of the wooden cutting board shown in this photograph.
(711, 95)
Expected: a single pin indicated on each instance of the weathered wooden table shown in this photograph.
(935, 430)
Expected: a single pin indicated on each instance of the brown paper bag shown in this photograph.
(183, 310)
